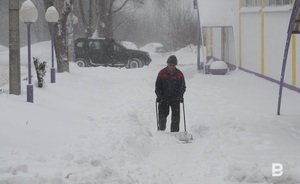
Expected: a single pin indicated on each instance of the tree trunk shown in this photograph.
(14, 49)
(82, 15)
(101, 14)
(60, 36)
(108, 29)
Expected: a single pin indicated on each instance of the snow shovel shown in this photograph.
(184, 136)
(157, 118)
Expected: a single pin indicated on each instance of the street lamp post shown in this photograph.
(28, 15)
(52, 17)
(200, 65)
(198, 34)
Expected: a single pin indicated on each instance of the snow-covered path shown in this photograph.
(98, 125)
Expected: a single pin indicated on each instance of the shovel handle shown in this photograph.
(157, 118)
(184, 116)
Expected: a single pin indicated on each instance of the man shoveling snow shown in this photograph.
(169, 89)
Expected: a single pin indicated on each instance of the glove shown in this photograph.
(180, 99)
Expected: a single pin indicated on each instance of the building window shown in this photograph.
(250, 3)
(255, 3)
(278, 2)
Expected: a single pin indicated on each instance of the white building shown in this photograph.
(252, 34)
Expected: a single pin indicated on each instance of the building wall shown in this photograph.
(276, 25)
(262, 42)
(250, 34)
(298, 60)
(260, 34)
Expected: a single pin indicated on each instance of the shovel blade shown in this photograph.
(184, 136)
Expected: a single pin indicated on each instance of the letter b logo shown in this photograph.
(277, 169)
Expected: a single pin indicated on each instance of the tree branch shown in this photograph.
(124, 3)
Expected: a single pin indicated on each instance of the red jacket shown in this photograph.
(170, 85)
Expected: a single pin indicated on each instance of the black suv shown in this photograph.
(107, 52)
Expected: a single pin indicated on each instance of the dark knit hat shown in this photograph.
(172, 60)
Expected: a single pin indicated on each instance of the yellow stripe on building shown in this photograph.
(262, 39)
(294, 59)
(240, 34)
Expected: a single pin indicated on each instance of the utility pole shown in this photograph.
(199, 38)
(14, 49)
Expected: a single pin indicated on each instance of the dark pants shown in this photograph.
(164, 109)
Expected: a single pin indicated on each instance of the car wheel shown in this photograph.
(141, 64)
(81, 62)
(134, 63)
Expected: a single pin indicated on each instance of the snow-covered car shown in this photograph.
(108, 52)
(129, 45)
(153, 47)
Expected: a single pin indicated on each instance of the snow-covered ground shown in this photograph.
(3, 48)
(40, 50)
(98, 125)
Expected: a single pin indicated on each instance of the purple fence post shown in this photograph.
(290, 31)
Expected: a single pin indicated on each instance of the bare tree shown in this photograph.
(82, 13)
(182, 26)
(60, 42)
(39, 28)
(106, 10)
(170, 22)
